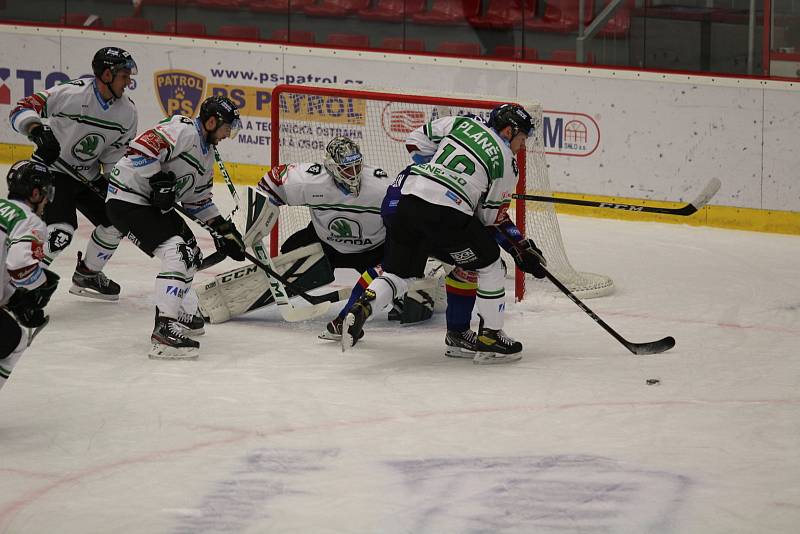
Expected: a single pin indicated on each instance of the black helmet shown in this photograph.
(511, 115)
(25, 176)
(224, 110)
(112, 58)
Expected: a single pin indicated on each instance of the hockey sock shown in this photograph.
(175, 278)
(104, 241)
(387, 287)
(366, 279)
(492, 295)
(59, 236)
(461, 287)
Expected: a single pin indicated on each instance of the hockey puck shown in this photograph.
(652, 381)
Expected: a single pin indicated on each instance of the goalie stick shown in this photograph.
(652, 347)
(288, 311)
(689, 209)
(208, 261)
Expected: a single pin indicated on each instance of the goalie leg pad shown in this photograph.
(260, 217)
(247, 288)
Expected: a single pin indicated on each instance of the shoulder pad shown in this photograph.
(380, 173)
(79, 82)
(314, 169)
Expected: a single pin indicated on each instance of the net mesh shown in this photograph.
(306, 118)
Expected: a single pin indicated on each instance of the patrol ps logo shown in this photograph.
(179, 92)
(347, 231)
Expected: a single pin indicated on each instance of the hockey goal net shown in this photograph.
(305, 118)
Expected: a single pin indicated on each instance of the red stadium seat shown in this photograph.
(222, 4)
(570, 56)
(459, 48)
(392, 10)
(504, 14)
(185, 28)
(279, 6)
(350, 40)
(398, 43)
(513, 52)
(448, 12)
(296, 36)
(336, 8)
(561, 16)
(81, 19)
(240, 32)
(132, 24)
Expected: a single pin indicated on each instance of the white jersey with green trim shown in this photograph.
(348, 223)
(472, 169)
(176, 144)
(22, 238)
(90, 130)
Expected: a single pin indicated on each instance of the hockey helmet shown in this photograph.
(25, 176)
(112, 58)
(344, 161)
(512, 115)
(224, 110)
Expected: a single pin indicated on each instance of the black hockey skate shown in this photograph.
(494, 346)
(193, 324)
(461, 344)
(353, 326)
(170, 341)
(333, 330)
(92, 284)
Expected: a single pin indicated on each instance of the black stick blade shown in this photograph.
(654, 347)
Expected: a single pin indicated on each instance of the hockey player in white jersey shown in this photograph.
(25, 285)
(174, 162)
(444, 208)
(345, 198)
(89, 123)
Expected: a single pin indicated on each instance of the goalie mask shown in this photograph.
(344, 161)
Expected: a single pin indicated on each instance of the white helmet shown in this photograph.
(343, 160)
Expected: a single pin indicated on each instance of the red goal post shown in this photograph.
(305, 118)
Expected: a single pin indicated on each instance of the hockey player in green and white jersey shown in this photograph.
(445, 208)
(84, 126)
(25, 285)
(174, 162)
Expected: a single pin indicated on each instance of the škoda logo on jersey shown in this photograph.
(179, 92)
(347, 231)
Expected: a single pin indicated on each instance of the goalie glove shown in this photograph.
(227, 238)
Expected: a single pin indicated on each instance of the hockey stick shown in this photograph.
(652, 347)
(689, 209)
(63, 166)
(33, 332)
(278, 284)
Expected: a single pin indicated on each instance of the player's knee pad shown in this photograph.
(491, 276)
(109, 236)
(59, 236)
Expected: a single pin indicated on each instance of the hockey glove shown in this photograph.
(163, 185)
(227, 238)
(27, 305)
(529, 258)
(47, 146)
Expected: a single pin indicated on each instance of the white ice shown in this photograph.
(273, 430)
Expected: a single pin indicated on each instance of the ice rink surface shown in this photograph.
(273, 430)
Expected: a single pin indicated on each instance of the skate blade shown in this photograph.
(194, 333)
(327, 336)
(492, 358)
(88, 293)
(162, 352)
(347, 339)
(458, 352)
